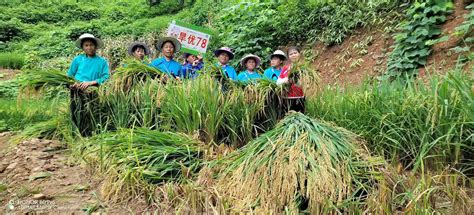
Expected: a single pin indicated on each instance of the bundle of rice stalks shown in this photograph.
(37, 79)
(133, 72)
(302, 164)
(157, 156)
(58, 127)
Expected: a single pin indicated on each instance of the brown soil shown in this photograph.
(7, 74)
(364, 54)
(64, 187)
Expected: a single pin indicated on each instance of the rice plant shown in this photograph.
(302, 165)
(37, 79)
(132, 73)
(417, 124)
(132, 157)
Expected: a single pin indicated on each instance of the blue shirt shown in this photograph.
(169, 67)
(84, 68)
(246, 76)
(229, 71)
(272, 73)
(190, 71)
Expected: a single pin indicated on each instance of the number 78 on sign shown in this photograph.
(194, 39)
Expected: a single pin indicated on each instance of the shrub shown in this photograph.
(11, 30)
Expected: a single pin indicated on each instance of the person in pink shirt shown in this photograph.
(293, 98)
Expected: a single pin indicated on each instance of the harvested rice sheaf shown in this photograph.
(36, 79)
(302, 164)
(158, 156)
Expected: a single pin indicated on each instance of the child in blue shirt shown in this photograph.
(168, 46)
(224, 55)
(276, 59)
(191, 65)
(250, 62)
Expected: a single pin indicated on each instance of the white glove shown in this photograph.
(281, 81)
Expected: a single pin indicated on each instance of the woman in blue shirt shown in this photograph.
(168, 46)
(224, 55)
(88, 69)
(276, 59)
(250, 62)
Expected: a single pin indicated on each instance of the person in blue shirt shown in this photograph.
(191, 65)
(88, 70)
(276, 59)
(250, 62)
(224, 55)
(168, 46)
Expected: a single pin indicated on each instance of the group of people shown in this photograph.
(89, 69)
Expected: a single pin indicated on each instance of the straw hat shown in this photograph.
(250, 56)
(99, 42)
(161, 41)
(224, 49)
(280, 54)
(140, 44)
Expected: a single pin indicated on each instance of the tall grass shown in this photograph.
(18, 115)
(11, 61)
(420, 124)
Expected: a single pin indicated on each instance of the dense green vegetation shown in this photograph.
(412, 45)
(217, 146)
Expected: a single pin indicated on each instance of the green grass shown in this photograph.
(11, 61)
(18, 115)
(418, 124)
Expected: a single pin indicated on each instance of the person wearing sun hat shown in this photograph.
(138, 50)
(88, 69)
(168, 46)
(276, 59)
(192, 64)
(224, 55)
(250, 62)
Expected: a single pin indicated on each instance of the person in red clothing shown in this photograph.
(293, 99)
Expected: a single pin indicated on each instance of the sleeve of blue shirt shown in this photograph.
(268, 73)
(178, 71)
(232, 73)
(184, 69)
(104, 73)
(200, 66)
(242, 77)
(73, 68)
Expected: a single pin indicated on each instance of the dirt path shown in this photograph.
(38, 176)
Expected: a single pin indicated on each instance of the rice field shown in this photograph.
(213, 146)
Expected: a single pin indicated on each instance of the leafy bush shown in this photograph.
(412, 47)
(11, 60)
(11, 30)
(249, 28)
(9, 88)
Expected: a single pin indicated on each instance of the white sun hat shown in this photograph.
(250, 56)
(279, 53)
(99, 42)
